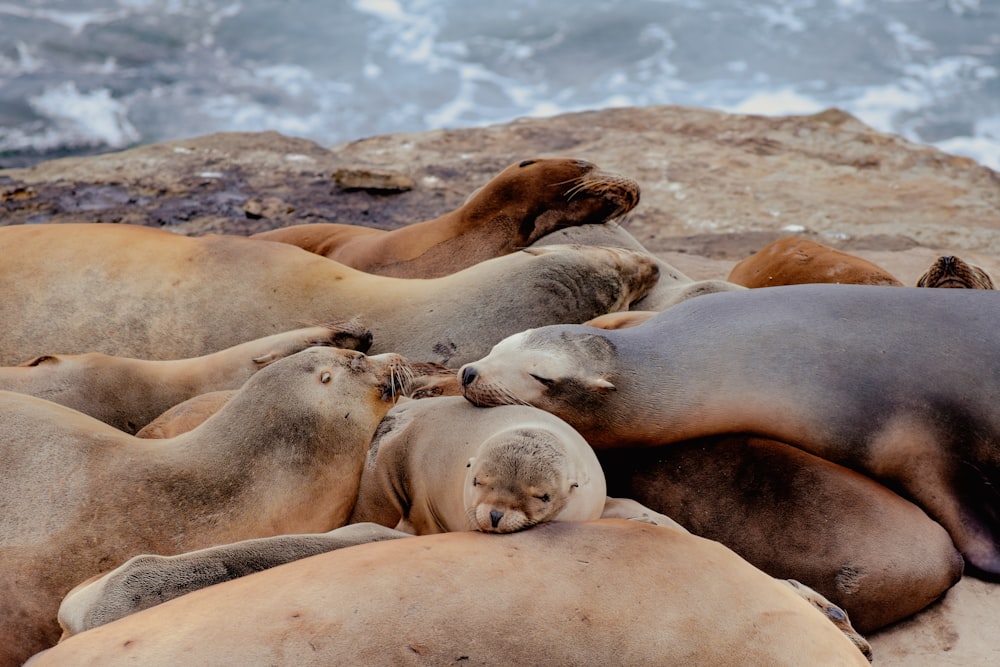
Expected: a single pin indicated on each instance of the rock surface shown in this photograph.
(715, 188)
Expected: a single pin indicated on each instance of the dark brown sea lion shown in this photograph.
(949, 271)
(522, 203)
(797, 516)
(896, 383)
(796, 261)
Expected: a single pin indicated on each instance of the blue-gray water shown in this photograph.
(79, 76)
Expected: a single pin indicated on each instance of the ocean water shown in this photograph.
(85, 76)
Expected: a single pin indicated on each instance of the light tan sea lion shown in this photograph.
(427, 380)
(592, 593)
(129, 393)
(673, 286)
(949, 271)
(853, 374)
(522, 203)
(146, 293)
(796, 516)
(441, 464)
(283, 456)
(796, 261)
(147, 580)
(622, 319)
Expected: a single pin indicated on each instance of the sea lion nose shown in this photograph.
(365, 342)
(469, 376)
(495, 517)
(947, 262)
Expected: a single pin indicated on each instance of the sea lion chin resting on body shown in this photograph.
(151, 294)
(949, 271)
(524, 202)
(284, 455)
(129, 393)
(796, 261)
(441, 464)
(579, 587)
(852, 374)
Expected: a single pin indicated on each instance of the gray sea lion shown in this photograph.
(523, 202)
(896, 383)
(147, 293)
(79, 496)
(949, 271)
(592, 593)
(129, 393)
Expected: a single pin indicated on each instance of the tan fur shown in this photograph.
(283, 456)
(147, 293)
(795, 261)
(621, 320)
(129, 393)
(563, 593)
(953, 272)
(147, 580)
(525, 201)
(440, 464)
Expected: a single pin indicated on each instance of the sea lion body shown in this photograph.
(147, 580)
(796, 516)
(283, 456)
(129, 393)
(522, 203)
(591, 593)
(441, 464)
(797, 261)
(147, 293)
(953, 272)
(898, 384)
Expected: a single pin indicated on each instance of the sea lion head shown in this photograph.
(565, 370)
(517, 479)
(542, 195)
(949, 271)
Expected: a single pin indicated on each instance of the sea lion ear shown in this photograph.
(265, 359)
(601, 384)
(37, 361)
(469, 464)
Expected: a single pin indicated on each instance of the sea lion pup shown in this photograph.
(852, 374)
(797, 516)
(147, 580)
(795, 261)
(672, 287)
(522, 203)
(130, 393)
(441, 464)
(949, 271)
(593, 593)
(151, 294)
(283, 456)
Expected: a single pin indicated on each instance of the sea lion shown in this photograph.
(795, 261)
(441, 464)
(592, 593)
(797, 516)
(147, 293)
(949, 271)
(898, 384)
(129, 393)
(427, 379)
(523, 202)
(673, 286)
(621, 320)
(283, 456)
(147, 580)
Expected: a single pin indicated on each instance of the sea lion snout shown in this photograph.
(495, 516)
(469, 375)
